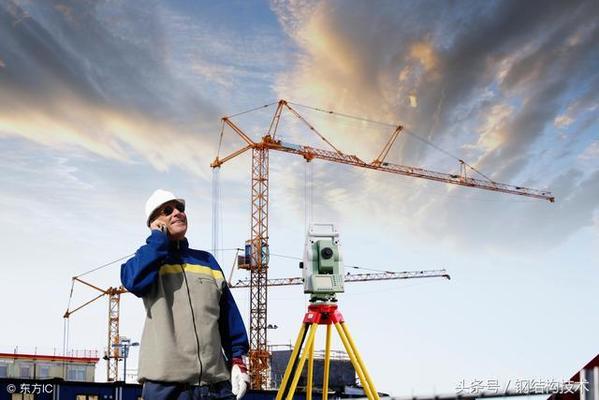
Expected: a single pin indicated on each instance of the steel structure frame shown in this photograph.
(259, 268)
(113, 350)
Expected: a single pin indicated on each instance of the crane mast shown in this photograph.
(259, 262)
(259, 226)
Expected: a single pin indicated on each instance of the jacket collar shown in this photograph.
(182, 244)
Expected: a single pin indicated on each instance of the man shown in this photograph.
(193, 334)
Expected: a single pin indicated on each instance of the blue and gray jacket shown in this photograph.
(193, 327)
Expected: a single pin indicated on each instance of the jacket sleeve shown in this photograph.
(233, 335)
(140, 272)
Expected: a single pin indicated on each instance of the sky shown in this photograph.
(102, 102)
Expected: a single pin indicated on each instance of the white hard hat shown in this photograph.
(157, 199)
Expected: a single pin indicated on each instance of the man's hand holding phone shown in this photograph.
(159, 225)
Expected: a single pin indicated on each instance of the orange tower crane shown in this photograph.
(260, 196)
(113, 352)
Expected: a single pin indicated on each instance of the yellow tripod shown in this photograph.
(322, 314)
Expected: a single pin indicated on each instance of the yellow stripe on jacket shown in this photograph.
(193, 268)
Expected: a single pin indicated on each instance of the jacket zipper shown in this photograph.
(193, 320)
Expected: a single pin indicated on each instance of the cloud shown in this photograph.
(425, 54)
(131, 81)
(73, 77)
(413, 100)
(491, 80)
(110, 133)
(498, 222)
(562, 121)
(492, 134)
(583, 107)
(591, 152)
(487, 82)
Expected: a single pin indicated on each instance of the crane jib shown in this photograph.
(310, 153)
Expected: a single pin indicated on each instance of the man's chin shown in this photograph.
(177, 231)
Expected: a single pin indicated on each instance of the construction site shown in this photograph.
(299, 199)
(299, 370)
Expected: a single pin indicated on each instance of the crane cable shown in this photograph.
(89, 272)
(222, 129)
(105, 265)
(220, 138)
(253, 109)
(344, 115)
(406, 130)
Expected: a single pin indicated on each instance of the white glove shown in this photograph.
(240, 379)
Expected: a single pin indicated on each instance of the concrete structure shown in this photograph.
(37, 366)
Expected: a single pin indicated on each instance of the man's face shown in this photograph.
(170, 215)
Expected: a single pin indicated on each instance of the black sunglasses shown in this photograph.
(168, 210)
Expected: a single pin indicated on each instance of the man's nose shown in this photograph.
(177, 212)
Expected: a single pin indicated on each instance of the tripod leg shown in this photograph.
(358, 365)
(292, 361)
(357, 354)
(327, 364)
(302, 361)
(310, 372)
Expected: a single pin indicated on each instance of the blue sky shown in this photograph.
(101, 102)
